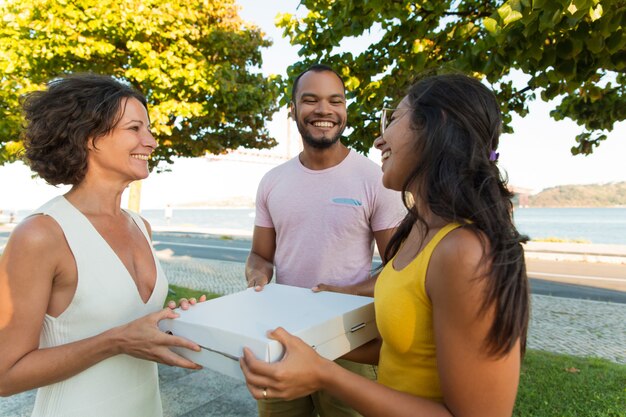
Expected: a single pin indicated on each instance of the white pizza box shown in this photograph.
(332, 323)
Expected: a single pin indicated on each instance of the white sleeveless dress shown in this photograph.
(106, 296)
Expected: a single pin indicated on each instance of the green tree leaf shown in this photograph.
(569, 50)
(197, 62)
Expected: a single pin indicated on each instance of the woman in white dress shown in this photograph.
(81, 291)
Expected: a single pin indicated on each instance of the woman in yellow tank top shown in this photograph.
(452, 300)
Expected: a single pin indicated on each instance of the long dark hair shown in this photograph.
(457, 124)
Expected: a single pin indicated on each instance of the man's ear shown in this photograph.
(292, 110)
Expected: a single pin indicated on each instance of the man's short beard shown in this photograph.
(321, 143)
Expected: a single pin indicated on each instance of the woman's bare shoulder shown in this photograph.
(459, 262)
(37, 231)
(463, 246)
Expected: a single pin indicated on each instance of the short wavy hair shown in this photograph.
(63, 118)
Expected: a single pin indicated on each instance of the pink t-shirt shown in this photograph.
(324, 220)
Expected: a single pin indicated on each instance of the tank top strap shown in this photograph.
(443, 232)
(139, 222)
(79, 232)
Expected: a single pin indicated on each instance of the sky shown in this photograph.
(536, 156)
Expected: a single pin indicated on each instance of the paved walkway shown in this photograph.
(562, 325)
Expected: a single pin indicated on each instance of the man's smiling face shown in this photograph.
(319, 108)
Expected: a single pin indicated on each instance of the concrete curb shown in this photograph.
(556, 251)
(582, 252)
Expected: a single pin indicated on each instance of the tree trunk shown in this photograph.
(134, 196)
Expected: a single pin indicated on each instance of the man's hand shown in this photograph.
(259, 265)
(257, 281)
(348, 289)
(365, 288)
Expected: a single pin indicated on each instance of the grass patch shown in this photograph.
(555, 385)
(226, 237)
(175, 293)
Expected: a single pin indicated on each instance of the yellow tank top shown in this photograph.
(404, 318)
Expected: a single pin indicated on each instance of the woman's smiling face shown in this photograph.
(397, 147)
(124, 152)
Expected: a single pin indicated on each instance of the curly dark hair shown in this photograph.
(61, 120)
(457, 123)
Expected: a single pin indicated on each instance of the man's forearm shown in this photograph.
(259, 271)
(365, 288)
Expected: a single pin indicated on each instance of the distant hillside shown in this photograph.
(596, 195)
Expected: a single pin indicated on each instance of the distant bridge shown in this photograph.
(250, 156)
(273, 158)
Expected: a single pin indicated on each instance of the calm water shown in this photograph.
(214, 218)
(595, 225)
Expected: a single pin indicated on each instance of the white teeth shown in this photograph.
(385, 155)
(323, 124)
(138, 156)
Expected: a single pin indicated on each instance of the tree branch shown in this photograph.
(522, 91)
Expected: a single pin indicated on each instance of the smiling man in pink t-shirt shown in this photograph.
(318, 216)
